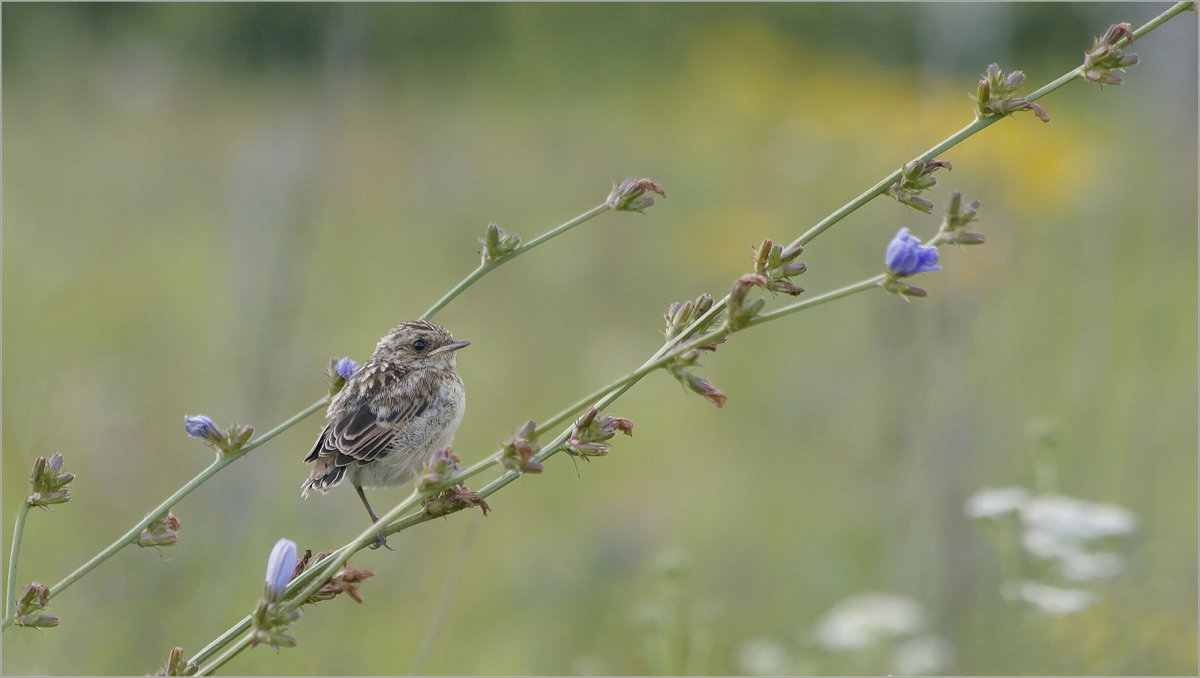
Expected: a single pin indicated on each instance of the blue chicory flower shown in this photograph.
(907, 256)
(346, 368)
(280, 567)
(201, 426)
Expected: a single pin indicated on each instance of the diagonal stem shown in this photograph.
(485, 267)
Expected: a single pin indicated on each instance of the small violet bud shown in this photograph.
(201, 426)
(346, 368)
(280, 567)
(907, 256)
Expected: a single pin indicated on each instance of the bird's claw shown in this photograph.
(381, 540)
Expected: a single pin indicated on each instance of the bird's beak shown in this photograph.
(452, 346)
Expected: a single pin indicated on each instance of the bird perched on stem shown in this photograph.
(404, 403)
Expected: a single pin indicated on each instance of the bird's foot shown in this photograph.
(381, 540)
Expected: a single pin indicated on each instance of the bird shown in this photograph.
(402, 404)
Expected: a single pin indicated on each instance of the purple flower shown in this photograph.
(201, 426)
(280, 567)
(346, 368)
(907, 256)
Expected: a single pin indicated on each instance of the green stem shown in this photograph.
(1159, 20)
(323, 571)
(232, 652)
(936, 150)
(516, 252)
(133, 532)
(222, 640)
(618, 387)
(391, 522)
(309, 577)
(14, 554)
(462, 285)
(220, 463)
(291, 421)
(854, 288)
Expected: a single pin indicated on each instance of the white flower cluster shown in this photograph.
(1068, 531)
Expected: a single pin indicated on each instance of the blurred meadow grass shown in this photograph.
(203, 203)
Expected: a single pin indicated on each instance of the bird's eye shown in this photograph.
(419, 345)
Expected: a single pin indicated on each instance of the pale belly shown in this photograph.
(410, 449)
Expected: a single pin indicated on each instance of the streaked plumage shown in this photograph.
(403, 403)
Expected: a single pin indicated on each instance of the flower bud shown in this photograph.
(280, 567)
(177, 665)
(439, 471)
(632, 195)
(996, 95)
(48, 483)
(589, 439)
(794, 268)
(915, 177)
(28, 609)
(763, 256)
(202, 426)
(160, 532)
(705, 388)
(497, 244)
(1105, 57)
(587, 418)
(518, 451)
(269, 623)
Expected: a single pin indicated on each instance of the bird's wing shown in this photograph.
(365, 434)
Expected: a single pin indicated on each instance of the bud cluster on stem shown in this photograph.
(693, 328)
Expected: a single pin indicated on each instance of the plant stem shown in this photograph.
(224, 461)
(14, 554)
(212, 469)
(484, 268)
(854, 288)
(232, 652)
(941, 147)
(315, 577)
(221, 640)
(604, 397)
(391, 522)
(290, 422)
(133, 532)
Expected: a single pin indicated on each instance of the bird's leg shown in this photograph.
(380, 540)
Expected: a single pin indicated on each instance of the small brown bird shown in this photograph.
(404, 403)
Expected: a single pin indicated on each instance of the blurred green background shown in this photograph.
(204, 202)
